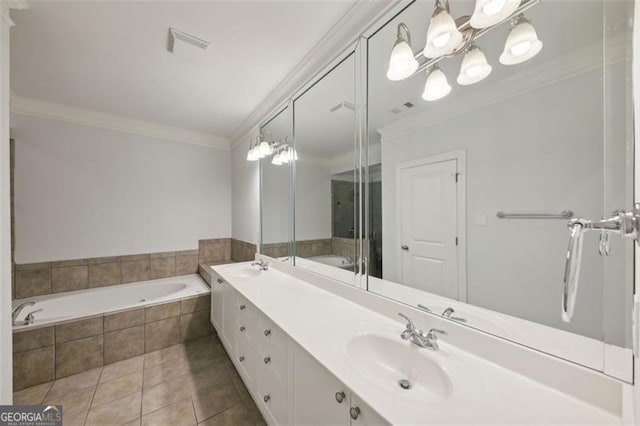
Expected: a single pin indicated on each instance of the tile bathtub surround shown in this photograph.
(44, 354)
(216, 250)
(36, 279)
(189, 383)
(242, 251)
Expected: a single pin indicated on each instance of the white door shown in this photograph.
(428, 218)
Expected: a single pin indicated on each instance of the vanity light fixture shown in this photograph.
(474, 67)
(492, 12)
(402, 62)
(436, 87)
(277, 158)
(252, 154)
(443, 36)
(522, 42)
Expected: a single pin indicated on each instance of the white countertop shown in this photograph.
(323, 324)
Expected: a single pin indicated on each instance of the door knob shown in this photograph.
(267, 332)
(219, 281)
(266, 398)
(241, 358)
(404, 247)
(340, 397)
(267, 359)
(242, 307)
(242, 328)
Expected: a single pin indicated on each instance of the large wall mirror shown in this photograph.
(275, 184)
(326, 228)
(479, 160)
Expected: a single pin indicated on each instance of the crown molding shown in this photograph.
(5, 17)
(345, 32)
(575, 63)
(91, 118)
(18, 4)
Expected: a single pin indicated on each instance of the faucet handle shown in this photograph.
(29, 318)
(410, 325)
(433, 333)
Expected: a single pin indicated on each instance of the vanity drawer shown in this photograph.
(273, 396)
(245, 357)
(271, 338)
(272, 367)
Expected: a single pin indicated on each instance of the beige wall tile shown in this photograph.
(109, 259)
(166, 310)
(69, 278)
(123, 320)
(32, 339)
(161, 334)
(200, 303)
(131, 257)
(33, 368)
(214, 252)
(162, 254)
(71, 262)
(193, 252)
(136, 270)
(102, 274)
(79, 355)
(123, 344)
(79, 329)
(163, 267)
(205, 273)
(194, 325)
(187, 264)
(33, 282)
(33, 266)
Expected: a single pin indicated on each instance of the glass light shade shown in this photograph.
(443, 36)
(436, 87)
(474, 67)
(252, 155)
(265, 148)
(277, 159)
(522, 44)
(492, 12)
(402, 62)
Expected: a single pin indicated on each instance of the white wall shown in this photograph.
(246, 193)
(89, 192)
(516, 267)
(313, 201)
(6, 376)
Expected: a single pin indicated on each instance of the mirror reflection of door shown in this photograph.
(427, 225)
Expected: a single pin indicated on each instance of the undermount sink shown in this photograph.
(245, 272)
(401, 366)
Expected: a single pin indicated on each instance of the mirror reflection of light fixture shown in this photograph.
(436, 87)
(522, 42)
(402, 62)
(492, 12)
(474, 67)
(443, 36)
(277, 159)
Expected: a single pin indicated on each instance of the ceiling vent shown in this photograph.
(343, 109)
(187, 46)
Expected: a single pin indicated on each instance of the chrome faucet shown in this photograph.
(17, 311)
(264, 266)
(447, 313)
(427, 340)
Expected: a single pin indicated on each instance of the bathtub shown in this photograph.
(69, 306)
(341, 262)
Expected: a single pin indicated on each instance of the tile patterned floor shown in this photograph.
(193, 383)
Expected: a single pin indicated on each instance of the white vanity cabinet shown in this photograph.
(320, 398)
(288, 385)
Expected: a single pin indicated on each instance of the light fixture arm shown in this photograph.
(464, 24)
(406, 36)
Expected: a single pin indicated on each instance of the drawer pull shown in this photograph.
(354, 412)
(219, 281)
(267, 332)
(266, 398)
(242, 328)
(340, 397)
(241, 358)
(267, 359)
(242, 307)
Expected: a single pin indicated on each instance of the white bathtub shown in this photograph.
(341, 262)
(73, 305)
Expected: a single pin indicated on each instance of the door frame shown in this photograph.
(461, 209)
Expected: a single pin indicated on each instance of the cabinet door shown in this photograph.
(362, 414)
(217, 302)
(316, 393)
(229, 318)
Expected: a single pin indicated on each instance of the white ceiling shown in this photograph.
(112, 56)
